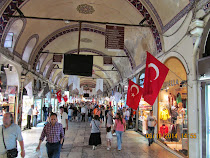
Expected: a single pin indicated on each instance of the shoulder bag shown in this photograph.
(10, 153)
(96, 125)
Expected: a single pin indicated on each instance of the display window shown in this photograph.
(172, 109)
(38, 104)
(144, 110)
(27, 102)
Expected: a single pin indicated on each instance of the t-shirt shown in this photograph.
(63, 118)
(119, 125)
(97, 112)
(83, 110)
(151, 121)
(95, 126)
(70, 111)
(109, 119)
(109, 135)
(30, 111)
(44, 109)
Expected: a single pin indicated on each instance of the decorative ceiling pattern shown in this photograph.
(86, 40)
(85, 9)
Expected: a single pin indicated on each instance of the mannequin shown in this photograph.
(180, 118)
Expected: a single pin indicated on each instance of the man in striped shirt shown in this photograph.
(54, 133)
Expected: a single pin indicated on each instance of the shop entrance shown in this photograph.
(173, 109)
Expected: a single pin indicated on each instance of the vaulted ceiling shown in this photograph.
(33, 36)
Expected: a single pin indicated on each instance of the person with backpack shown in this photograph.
(95, 136)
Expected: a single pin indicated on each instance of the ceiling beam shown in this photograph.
(80, 21)
(103, 55)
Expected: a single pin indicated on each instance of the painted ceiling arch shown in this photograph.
(70, 29)
(161, 15)
(175, 10)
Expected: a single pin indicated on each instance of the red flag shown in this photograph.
(155, 75)
(65, 98)
(59, 96)
(133, 95)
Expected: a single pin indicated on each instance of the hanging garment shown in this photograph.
(173, 133)
(164, 114)
(178, 98)
(163, 130)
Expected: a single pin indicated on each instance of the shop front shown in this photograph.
(173, 109)
(8, 91)
(144, 110)
(38, 106)
(27, 102)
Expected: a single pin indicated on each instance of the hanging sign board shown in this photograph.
(114, 38)
(57, 59)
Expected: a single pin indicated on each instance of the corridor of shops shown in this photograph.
(145, 62)
(76, 144)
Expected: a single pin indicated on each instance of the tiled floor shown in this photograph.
(76, 145)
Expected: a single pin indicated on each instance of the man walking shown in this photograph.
(83, 112)
(63, 120)
(10, 133)
(53, 131)
(30, 113)
(45, 112)
(151, 123)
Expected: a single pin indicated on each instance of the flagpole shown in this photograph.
(180, 78)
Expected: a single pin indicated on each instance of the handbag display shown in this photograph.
(12, 153)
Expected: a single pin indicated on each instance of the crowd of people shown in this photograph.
(57, 124)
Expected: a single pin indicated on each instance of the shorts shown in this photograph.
(109, 139)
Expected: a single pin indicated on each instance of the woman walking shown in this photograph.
(120, 127)
(95, 137)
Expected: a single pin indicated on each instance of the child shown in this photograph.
(108, 137)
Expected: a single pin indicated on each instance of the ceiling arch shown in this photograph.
(69, 29)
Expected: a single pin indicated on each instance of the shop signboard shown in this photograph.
(114, 38)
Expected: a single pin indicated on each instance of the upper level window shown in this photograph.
(9, 40)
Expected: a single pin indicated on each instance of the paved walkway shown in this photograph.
(76, 145)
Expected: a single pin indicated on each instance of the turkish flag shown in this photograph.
(65, 98)
(155, 75)
(133, 95)
(59, 96)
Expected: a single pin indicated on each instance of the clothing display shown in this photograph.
(178, 98)
(173, 131)
(164, 114)
(163, 130)
(171, 99)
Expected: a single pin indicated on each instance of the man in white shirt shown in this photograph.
(127, 115)
(63, 120)
(83, 112)
(29, 114)
(151, 123)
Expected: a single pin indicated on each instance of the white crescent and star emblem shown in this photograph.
(156, 70)
(137, 88)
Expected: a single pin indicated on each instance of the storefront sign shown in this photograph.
(170, 83)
